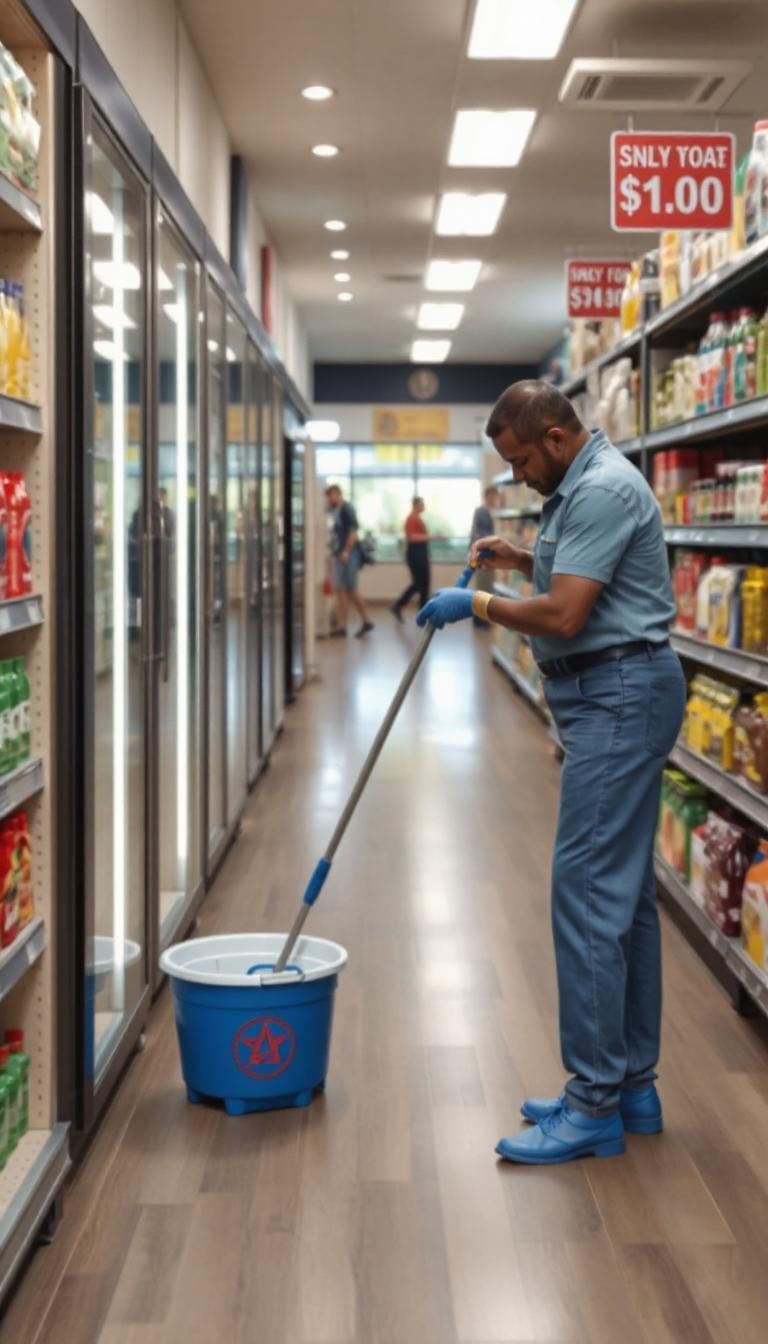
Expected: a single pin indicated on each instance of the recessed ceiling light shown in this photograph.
(100, 216)
(343, 277)
(440, 316)
(317, 93)
(335, 225)
(453, 275)
(339, 255)
(345, 296)
(325, 151)
(429, 352)
(471, 216)
(505, 30)
(484, 139)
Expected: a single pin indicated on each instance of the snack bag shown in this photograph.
(754, 909)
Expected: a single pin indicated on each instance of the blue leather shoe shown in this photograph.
(640, 1111)
(564, 1135)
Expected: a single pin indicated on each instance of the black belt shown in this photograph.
(579, 662)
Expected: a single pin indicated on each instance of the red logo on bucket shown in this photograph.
(264, 1047)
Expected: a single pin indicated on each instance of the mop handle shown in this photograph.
(317, 880)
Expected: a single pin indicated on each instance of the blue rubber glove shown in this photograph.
(447, 606)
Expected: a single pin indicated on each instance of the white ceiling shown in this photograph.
(401, 72)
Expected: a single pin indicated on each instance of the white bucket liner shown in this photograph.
(101, 963)
(225, 960)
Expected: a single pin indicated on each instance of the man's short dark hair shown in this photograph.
(491, 490)
(330, 489)
(529, 408)
(417, 499)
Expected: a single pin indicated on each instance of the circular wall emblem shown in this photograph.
(423, 384)
(264, 1047)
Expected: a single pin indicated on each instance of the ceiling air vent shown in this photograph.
(614, 85)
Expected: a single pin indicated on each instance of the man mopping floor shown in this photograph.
(599, 624)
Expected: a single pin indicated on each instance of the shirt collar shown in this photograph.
(581, 461)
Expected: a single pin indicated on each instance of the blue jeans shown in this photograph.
(617, 722)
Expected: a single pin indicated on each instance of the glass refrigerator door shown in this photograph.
(295, 546)
(216, 583)
(236, 571)
(252, 542)
(278, 583)
(115, 238)
(177, 532)
(267, 571)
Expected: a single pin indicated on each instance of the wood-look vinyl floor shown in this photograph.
(379, 1215)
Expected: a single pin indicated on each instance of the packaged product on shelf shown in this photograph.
(19, 561)
(15, 353)
(12, 1081)
(754, 610)
(750, 742)
(744, 362)
(670, 252)
(630, 301)
(19, 128)
(724, 624)
(3, 542)
(703, 592)
(683, 808)
(9, 894)
(739, 228)
(650, 285)
(727, 855)
(686, 575)
(754, 909)
(756, 186)
(5, 1111)
(762, 356)
(697, 878)
(709, 725)
(16, 830)
(18, 1065)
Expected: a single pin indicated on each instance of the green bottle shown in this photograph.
(11, 1082)
(25, 710)
(5, 1115)
(762, 356)
(18, 1067)
(14, 691)
(5, 722)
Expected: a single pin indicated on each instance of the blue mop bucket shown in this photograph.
(255, 1040)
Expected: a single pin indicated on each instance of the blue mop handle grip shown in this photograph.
(317, 881)
(465, 577)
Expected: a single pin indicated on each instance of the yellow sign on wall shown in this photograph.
(431, 424)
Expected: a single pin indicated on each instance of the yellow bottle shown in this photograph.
(13, 330)
(3, 341)
(25, 353)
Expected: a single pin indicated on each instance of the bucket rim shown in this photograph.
(173, 965)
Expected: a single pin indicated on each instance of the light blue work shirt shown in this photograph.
(603, 523)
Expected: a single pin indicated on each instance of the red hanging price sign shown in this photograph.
(594, 288)
(671, 180)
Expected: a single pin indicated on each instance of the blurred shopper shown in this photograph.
(345, 563)
(482, 526)
(417, 541)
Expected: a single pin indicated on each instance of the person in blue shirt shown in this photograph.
(598, 621)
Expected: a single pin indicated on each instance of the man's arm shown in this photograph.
(562, 612)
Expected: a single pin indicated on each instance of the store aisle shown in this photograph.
(379, 1215)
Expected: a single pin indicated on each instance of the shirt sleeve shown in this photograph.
(597, 529)
(350, 518)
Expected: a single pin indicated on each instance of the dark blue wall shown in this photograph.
(383, 383)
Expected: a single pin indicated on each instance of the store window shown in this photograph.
(381, 479)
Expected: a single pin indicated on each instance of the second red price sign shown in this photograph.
(671, 180)
(594, 288)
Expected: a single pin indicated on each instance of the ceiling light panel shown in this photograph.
(453, 275)
(339, 254)
(114, 275)
(519, 30)
(463, 215)
(335, 225)
(342, 277)
(483, 139)
(318, 93)
(440, 316)
(345, 297)
(430, 352)
(325, 151)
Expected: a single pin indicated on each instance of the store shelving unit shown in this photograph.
(34, 1173)
(629, 346)
(730, 788)
(524, 687)
(749, 667)
(719, 536)
(532, 511)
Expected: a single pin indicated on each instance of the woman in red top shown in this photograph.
(417, 558)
